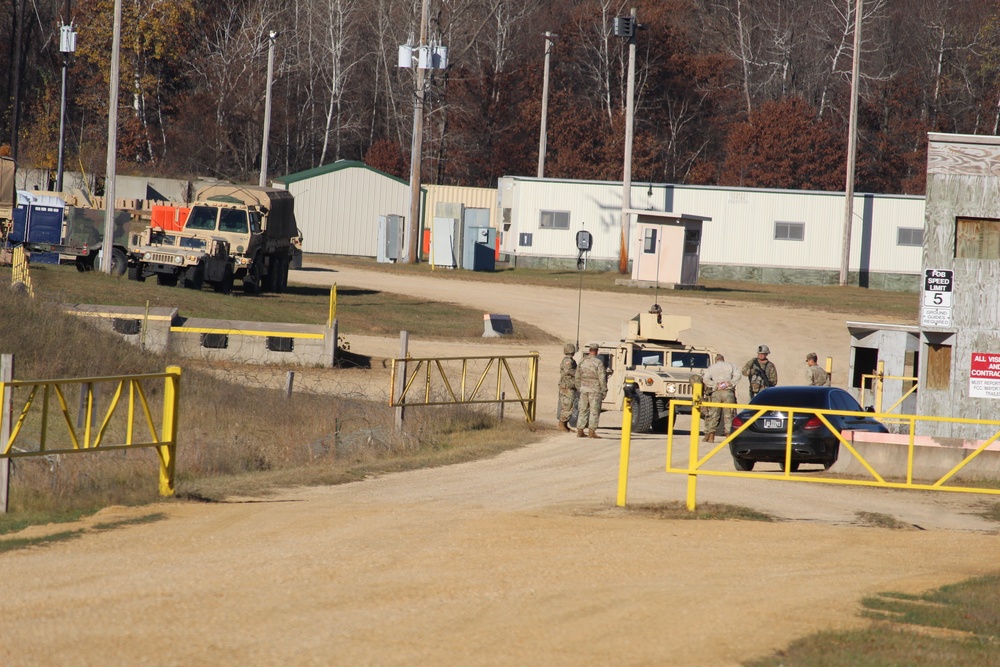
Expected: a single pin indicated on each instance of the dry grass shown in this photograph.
(234, 438)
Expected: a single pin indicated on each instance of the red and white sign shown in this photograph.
(984, 375)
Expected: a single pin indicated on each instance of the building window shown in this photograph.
(649, 241)
(909, 236)
(977, 238)
(789, 231)
(553, 220)
(692, 241)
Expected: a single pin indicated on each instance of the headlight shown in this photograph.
(178, 259)
(671, 388)
(147, 256)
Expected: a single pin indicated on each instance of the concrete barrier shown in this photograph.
(933, 457)
(495, 325)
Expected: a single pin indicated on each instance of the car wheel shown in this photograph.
(194, 277)
(642, 413)
(794, 467)
(743, 465)
(135, 273)
(166, 279)
(119, 262)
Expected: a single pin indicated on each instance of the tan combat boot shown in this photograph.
(563, 426)
(579, 433)
(710, 437)
(593, 434)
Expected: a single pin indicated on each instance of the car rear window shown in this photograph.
(789, 398)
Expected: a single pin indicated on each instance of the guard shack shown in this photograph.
(959, 372)
(669, 248)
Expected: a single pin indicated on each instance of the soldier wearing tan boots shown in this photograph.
(592, 382)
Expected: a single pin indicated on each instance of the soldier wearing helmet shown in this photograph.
(567, 385)
(760, 371)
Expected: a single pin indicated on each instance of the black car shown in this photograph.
(812, 442)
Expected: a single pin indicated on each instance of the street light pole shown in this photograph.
(852, 149)
(272, 37)
(67, 45)
(627, 171)
(416, 148)
(545, 105)
(109, 178)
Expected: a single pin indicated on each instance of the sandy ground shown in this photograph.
(520, 559)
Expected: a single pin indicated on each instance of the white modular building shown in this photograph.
(773, 236)
(344, 208)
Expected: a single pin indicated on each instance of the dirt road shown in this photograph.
(521, 559)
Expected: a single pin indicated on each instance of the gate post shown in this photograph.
(692, 486)
(7, 406)
(404, 352)
(168, 452)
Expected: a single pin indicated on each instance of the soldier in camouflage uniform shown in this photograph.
(815, 374)
(761, 372)
(567, 385)
(592, 382)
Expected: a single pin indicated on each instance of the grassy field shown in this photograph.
(903, 306)
(359, 311)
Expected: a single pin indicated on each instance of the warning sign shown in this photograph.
(984, 375)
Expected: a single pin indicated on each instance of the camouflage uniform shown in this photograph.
(761, 372)
(720, 385)
(567, 385)
(592, 381)
(817, 376)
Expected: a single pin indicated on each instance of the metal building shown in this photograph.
(960, 303)
(339, 207)
(754, 234)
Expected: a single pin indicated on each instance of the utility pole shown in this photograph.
(272, 37)
(416, 148)
(67, 45)
(852, 149)
(109, 179)
(549, 37)
(627, 28)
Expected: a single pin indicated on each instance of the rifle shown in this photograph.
(758, 371)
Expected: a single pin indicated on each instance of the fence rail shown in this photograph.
(465, 381)
(126, 421)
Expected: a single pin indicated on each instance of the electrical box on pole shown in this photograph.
(624, 26)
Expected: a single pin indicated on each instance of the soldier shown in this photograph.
(720, 385)
(815, 375)
(592, 382)
(567, 385)
(760, 371)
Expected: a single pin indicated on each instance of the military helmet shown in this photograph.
(763, 349)
(594, 346)
(569, 348)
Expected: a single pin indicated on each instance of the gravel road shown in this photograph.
(520, 559)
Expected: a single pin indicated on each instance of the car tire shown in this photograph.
(642, 413)
(119, 262)
(194, 277)
(794, 467)
(743, 465)
(135, 273)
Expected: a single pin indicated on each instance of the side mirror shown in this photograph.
(869, 408)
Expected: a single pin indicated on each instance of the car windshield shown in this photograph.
(689, 360)
(791, 398)
(645, 358)
(201, 218)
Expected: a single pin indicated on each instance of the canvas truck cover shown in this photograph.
(279, 203)
(7, 196)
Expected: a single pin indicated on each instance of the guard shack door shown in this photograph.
(667, 251)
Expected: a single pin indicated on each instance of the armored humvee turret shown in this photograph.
(651, 355)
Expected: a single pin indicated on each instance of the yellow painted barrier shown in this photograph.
(696, 462)
(21, 271)
(127, 408)
(462, 381)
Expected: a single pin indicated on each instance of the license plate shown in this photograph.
(772, 423)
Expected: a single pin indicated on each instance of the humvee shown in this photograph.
(650, 355)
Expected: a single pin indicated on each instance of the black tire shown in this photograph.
(794, 467)
(119, 262)
(642, 413)
(166, 279)
(84, 264)
(282, 275)
(251, 281)
(194, 277)
(135, 273)
(225, 285)
(271, 278)
(828, 463)
(743, 465)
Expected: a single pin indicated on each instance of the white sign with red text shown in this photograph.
(984, 375)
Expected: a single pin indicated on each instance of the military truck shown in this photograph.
(651, 355)
(240, 233)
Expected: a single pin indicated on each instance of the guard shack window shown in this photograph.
(649, 240)
(553, 220)
(977, 238)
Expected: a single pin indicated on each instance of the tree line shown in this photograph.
(732, 92)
